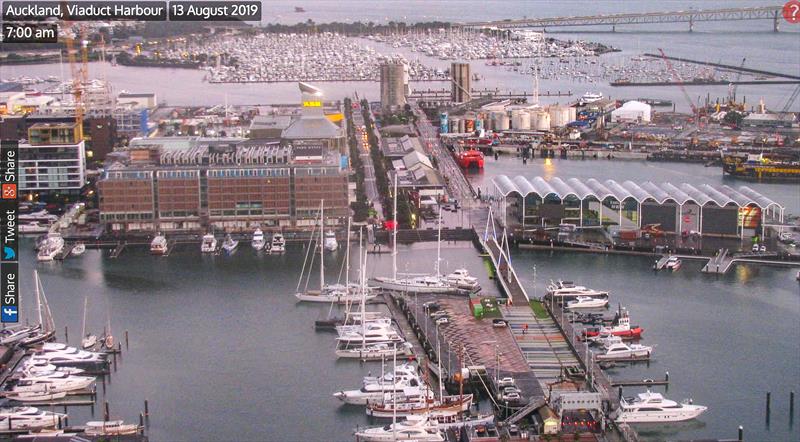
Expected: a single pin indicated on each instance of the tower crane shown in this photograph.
(677, 79)
(80, 74)
(735, 85)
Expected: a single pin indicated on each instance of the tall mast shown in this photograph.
(85, 305)
(394, 234)
(362, 265)
(347, 260)
(439, 243)
(439, 367)
(38, 296)
(321, 245)
(394, 393)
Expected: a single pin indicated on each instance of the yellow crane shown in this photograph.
(80, 74)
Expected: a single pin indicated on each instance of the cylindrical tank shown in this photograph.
(462, 126)
(520, 120)
(540, 120)
(573, 114)
(443, 124)
(559, 116)
(500, 120)
(454, 125)
(479, 124)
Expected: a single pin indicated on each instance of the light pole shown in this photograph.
(497, 363)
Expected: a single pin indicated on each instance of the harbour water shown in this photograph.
(219, 345)
(763, 49)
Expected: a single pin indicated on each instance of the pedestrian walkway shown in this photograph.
(542, 344)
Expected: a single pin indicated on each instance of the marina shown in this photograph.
(508, 251)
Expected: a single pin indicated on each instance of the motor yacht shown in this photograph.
(28, 418)
(258, 242)
(568, 291)
(462, 279)
(229, 245)
(620, 350)
(416, 428)
(209, 243)
(370, 334)
(673, 263)
(110, 428)
(51, 247)
(78, 250)
(53, 383)
(587, 302)
(653, 407)
(591, 97)
(33, 227)
(278, 244)
(390, 387)
(330, 242)
(158, 246)
(35, 396)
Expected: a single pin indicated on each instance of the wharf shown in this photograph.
(407, 329)
(476, 344)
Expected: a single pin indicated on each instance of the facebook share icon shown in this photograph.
(10, 314)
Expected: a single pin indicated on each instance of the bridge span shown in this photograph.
(691, 16)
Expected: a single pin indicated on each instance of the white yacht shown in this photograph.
(52, 246)
(35, 396)
(258, 241)
(110, 428)
(673, 263)
(591, 97)
(390, 387)
(620, 350)
(463, 280)
(587, 302)
(28, 418)
(330, 242)
(415, 428)
(278, 243)
(33, 227)
(371, 334)
(229, 245)
(374, 352)
(567, 291)
(158, 246)
(653, 407)
(335, 293)
(35, 368)
(209, 243)
(52, 383)
(78, 250)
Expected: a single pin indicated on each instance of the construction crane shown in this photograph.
(677, 79)
(80, 75)
(784, 113)
(734, 85)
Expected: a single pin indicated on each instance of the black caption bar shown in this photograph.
(215, 11)
(30, 32)
(85, 10)
(9, 235)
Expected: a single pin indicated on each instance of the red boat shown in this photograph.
(622, 329)
(470, 158)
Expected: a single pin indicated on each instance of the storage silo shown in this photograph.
(540, 120)
(500, 120)
(520, 120)
(559, 116)
(462, 125)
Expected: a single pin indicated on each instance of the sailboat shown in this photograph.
(46, 329)
(334, 293)
(88, 340)
(418, 283)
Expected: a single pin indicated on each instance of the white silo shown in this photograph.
(520, 120)
(559, 116)
(540, 120)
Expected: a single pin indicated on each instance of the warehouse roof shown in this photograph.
(647, 191)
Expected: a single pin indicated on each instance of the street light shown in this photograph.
(497, 363)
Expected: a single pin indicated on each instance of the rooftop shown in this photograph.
(647, 191)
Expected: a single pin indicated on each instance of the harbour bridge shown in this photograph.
(691, 16)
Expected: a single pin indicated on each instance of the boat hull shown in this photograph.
(661, 416)
(388, 284)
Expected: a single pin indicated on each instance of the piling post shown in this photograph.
(741, 434)
(104, 386)
(791, 407)
(141, 420)
(66, 333)
(769, 396)
(126, 339)
(620, 393)
(666, 376)
(146, 408)
(106, 413)
(59, 423)
(66, 421)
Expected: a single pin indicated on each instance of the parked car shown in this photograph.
(499, 323)
(431, 306)
(442, 320)
(506, 382)
(511, 397)
(439, 314)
